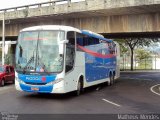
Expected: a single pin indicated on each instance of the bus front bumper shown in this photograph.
(56, 88)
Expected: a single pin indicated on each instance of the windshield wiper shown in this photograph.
(41, 64)
(29, 61)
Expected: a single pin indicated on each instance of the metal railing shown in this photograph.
(34, 5)
(152, 63)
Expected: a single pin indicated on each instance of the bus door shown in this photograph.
(70, 51)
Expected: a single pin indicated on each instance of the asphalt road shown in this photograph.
(131, 94)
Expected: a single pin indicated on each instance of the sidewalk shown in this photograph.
(135, 71)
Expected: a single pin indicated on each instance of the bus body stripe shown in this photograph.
(95, 54)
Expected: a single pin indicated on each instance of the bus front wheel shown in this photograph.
(79, 88)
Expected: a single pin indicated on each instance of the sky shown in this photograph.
(16, 3)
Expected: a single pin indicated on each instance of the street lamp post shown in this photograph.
(3, 38)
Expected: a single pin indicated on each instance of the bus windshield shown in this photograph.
(38, 51)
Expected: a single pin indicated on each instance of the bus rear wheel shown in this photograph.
(111, 78)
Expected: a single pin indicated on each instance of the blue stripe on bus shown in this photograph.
(36, 78)
(31, 79)
(41, 89)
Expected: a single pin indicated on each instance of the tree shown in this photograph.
(142, 54)
(136, 42)
(123, 48)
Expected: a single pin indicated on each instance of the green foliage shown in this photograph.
(7, 59)
(147, 41)
(123, 48)
(136, 42)
(142, 54)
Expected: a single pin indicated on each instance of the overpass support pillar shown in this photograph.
(86, 2)
(3, 38)
(69, 3)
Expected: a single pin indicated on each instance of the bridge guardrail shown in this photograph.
(36, 5)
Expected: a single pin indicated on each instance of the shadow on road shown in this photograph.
(7, 85)
(70, 95)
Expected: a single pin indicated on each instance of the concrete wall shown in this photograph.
(101, 16)
(110, 24)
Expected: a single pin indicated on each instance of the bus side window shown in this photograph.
(90, 40)
(112, 47)
(70, 56)
(79, 39)
(70, 51)
(71, 37)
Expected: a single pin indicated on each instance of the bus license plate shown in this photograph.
(35, 89)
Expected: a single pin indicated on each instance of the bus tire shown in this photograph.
(111, 79)
(114, 74)
(79, 88)
(2, 83)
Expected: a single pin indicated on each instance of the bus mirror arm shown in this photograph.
(64, 41)
(61, 55)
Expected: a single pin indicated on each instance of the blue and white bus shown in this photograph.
(61, 59)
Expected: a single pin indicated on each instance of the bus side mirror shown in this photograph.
(64, 41)
(61, 45)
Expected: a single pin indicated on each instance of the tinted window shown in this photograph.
(85, 40)
(71, 37)
(70, 55)
(7, 69)
(79, 39)
(70, 51)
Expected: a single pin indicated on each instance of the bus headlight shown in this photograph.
(55, 81)
(18, 80)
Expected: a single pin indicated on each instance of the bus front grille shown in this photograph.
(30, 83)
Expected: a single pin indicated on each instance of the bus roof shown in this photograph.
(51, 27)
(95, 35)
(65, 28)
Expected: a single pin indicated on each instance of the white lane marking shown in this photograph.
(153, 90)
(146, 75)
(136, 78)
(112, 103)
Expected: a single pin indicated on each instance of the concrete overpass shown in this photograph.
(109, 17)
